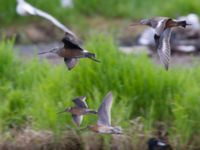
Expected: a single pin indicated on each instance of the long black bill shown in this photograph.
(184, 23)
(51, 51)
(95, 59)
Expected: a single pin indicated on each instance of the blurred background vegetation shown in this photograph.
(132, 9)
(31, 93)
(88, 17)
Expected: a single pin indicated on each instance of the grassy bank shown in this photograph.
(32, 93)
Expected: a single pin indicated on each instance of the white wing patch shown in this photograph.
(160, 27)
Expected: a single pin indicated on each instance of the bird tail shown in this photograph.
(91, 56)
(91, 111)
(183, 23)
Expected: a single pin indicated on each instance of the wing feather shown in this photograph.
(77, 119)
(163, 47)
(80, 102)
(70, 62)
(104, 112)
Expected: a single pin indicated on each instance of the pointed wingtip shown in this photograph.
(83, 98)
(109, 93)
(108, 97)
(166, 67)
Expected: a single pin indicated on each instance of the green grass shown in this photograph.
(32, 93)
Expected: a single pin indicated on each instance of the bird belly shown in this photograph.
(70, 53)
(78, 111)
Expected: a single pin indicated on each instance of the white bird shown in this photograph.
(24, 8)
(66, 3)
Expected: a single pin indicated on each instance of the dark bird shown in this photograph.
(78, 110)
(155, 144)
(162, 27)
(72, 51)
(104, 118)
(160, 141)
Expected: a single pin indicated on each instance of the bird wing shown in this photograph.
(104, 112)
(161, 25)
(80, 102)
(77, 119)
(70, 62)
(163, 47)
(71, 42)
(23, 8)
(53, 20)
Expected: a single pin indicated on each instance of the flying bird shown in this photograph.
(104, 118)
(23, 8)
(79, 110)
(162, 27)
(71, 51)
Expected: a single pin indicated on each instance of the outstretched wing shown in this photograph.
(24, 8)
(161, 25)
(71, 42)
(80, 102)
(70, 62)
(77, 119)
(104, 112)
(163, 47)
(53, 20)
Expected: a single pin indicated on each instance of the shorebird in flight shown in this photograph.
(162, 27)
(71, 51)
(24, 8)
(104, 118)
(79, 110)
